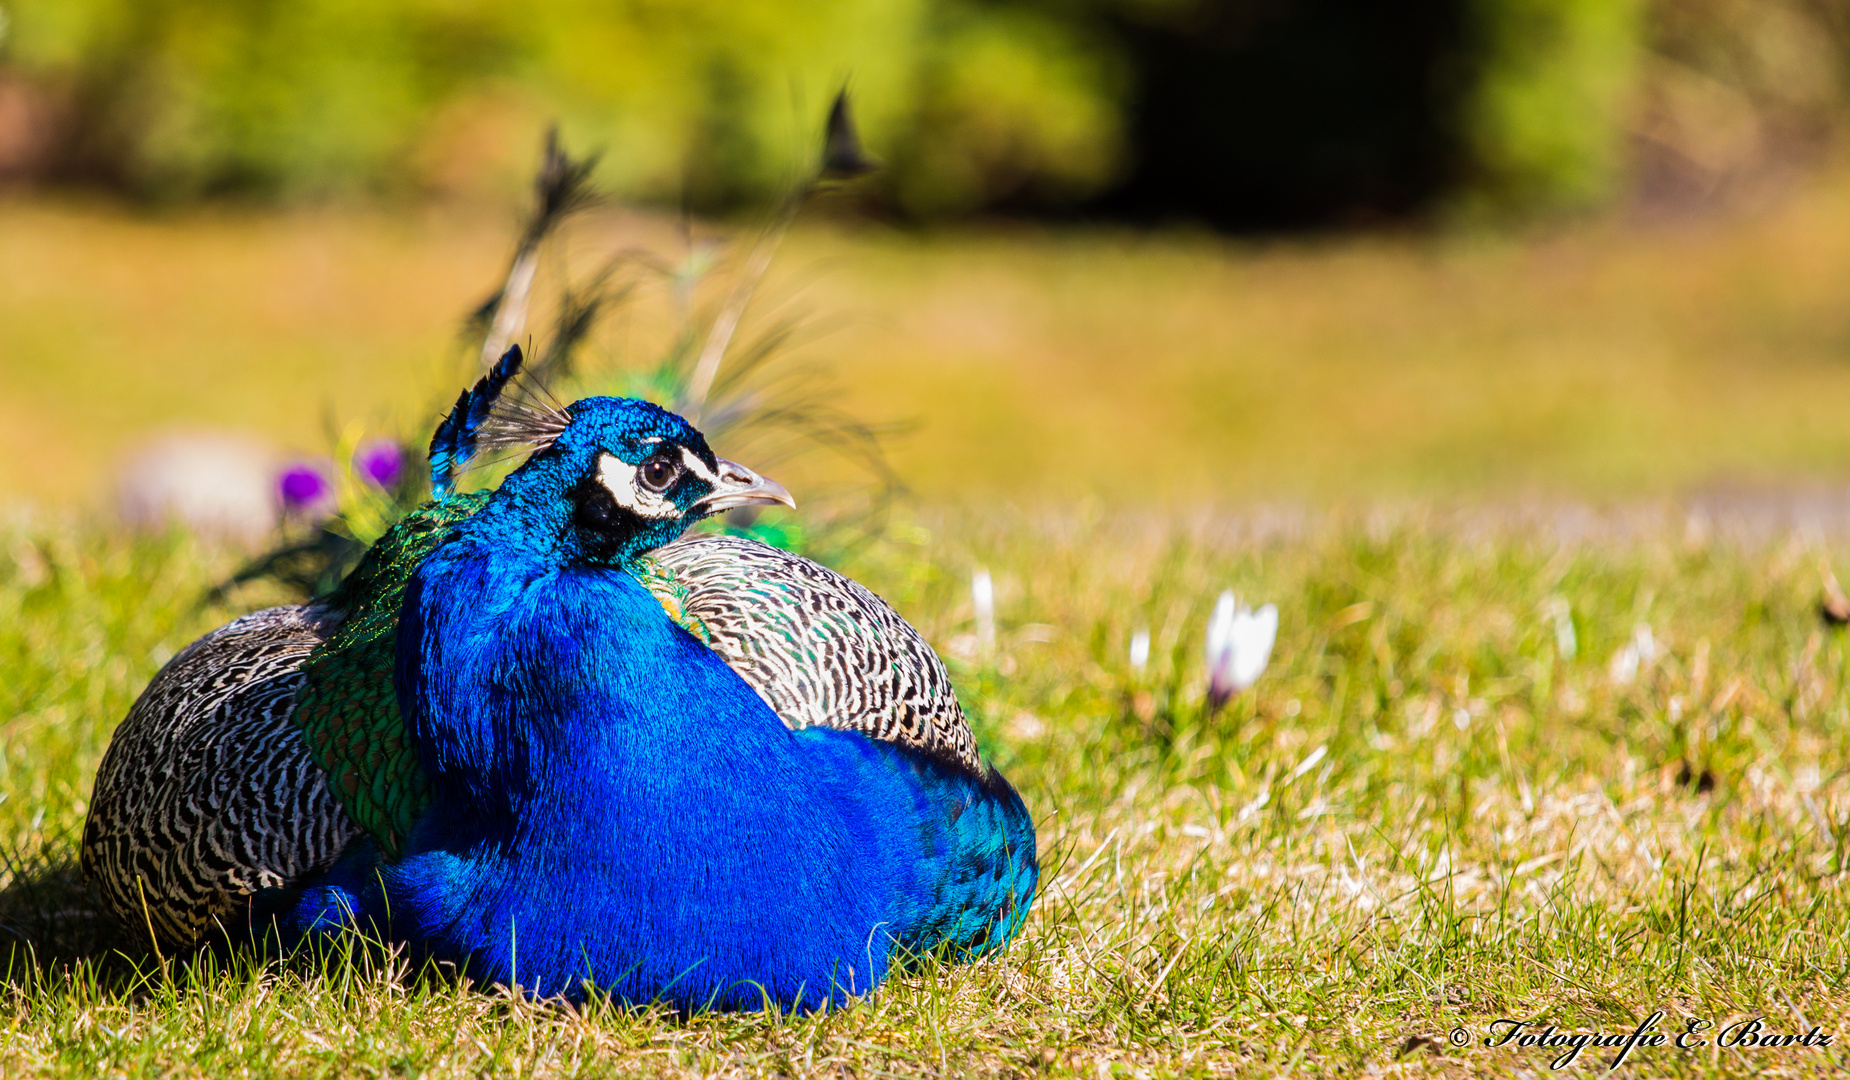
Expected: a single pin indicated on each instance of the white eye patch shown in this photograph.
(697, 466)
(619, 478)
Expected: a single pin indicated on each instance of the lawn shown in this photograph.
(1432, 813)
(1450, 805)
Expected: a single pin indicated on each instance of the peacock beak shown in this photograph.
(739, 486)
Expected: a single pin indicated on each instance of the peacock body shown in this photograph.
(549, 745)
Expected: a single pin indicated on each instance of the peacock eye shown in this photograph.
(657, 473)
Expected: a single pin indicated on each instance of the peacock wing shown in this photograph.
(820, 649)
(206, 793)
(255, 755)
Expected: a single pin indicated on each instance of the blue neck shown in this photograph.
(541, 689)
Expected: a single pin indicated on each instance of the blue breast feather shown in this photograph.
(616, 809)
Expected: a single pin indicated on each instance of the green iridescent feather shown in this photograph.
(347, 710)
(671, 594)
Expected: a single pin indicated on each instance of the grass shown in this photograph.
(1602, 360)
(1424, 817)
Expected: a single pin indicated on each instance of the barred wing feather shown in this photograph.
(207, 793)
(821, 649)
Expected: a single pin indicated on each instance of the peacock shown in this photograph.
(535, 735)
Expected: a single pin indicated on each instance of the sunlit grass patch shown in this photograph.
(1437, 808)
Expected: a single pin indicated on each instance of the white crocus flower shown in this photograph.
(1140, 649)
(1566, 645)
(983, 599)
(1239, 646)
(1638, 653)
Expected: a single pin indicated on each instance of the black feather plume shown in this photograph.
(454, 442)
(843, 157)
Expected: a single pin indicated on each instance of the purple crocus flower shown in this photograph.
(381, 461)
(303, 488)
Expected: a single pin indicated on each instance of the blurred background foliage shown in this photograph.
(1243, 114)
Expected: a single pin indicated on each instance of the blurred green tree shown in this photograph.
(1241, 113)
(1545, 125)
(711, 99)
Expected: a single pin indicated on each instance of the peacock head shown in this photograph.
(621, 477)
